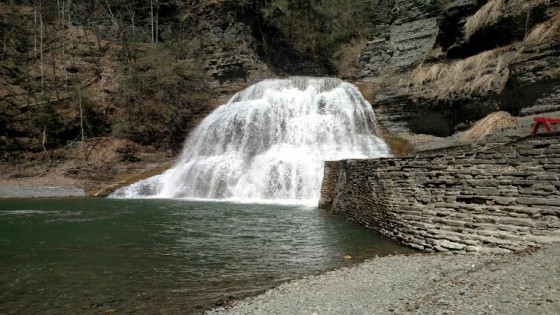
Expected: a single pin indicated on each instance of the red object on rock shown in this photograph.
(544, 121)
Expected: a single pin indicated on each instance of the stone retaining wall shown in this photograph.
(498, 199)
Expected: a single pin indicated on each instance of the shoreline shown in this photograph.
(35, 191)
(524, 282)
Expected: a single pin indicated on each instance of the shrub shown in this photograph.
(398, 145)
(474, 76)
(320, 28)
(159, 97)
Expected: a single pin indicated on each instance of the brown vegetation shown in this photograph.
(322, 28)
(367, 91)
(493, 10)
(544, 33)
(489, 125)
(474, 76)
(73, 73)
(399, 146)
(347, 58)
(487, 15)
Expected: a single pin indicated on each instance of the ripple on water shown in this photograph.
(92, 255)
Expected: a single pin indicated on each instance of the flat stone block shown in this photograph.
(522, 182)
(538, 201)
(440, 249)
(555, 225)
(485, 233)
(550, 211)
(471, 242)
(472, 249)
(521, 209)
(451, 222)
(485, 219)
(516, 221)
(519, 174)
(487, 192)
(416, 246)
(451, 245)
(504, 200)
(547, 177)
(430, 241)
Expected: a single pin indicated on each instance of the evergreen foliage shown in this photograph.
(160, 97)
(321, 27)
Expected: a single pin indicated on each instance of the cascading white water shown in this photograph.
(268, 144)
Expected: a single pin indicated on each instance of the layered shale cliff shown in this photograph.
(439, 66)
(496, 198)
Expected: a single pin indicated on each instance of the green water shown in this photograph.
(76, 256)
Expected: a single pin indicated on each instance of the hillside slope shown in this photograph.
(94, 89)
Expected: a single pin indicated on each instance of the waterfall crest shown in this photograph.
(268, 144)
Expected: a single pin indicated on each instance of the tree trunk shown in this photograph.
(63, 22)
(152, 18)
(35, 30)
(44, 147)
(81, 112)
(157, 21)
(69, 6)
(53, 60)
(41, 47)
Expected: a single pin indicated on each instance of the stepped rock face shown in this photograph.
(434, 66)
(406, 32)
(406, 45)
(534, 85)
(444, 66)
(238, 47)
(500, 197)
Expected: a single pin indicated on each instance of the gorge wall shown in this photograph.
(498, 198)
(436, 67)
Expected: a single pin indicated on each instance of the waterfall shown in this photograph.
(268, 144)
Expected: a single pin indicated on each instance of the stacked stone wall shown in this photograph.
(499, 199)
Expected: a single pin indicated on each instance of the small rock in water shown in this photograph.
(347, 257)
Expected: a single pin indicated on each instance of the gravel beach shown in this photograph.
(526, 282)
(40, 191)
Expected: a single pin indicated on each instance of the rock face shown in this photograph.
(497, 198)
(405, 46)
(404, 37)
(238, 47)
(441, 65)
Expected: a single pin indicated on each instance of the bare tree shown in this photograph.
(154, 20)
(41, 46)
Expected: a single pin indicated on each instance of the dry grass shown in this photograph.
(347, 58)
(525, 5)
(544, 33)
(128, 178)
(485, 16)
(476, 75)
(367, 91)
(491, 12)
(398, 145)
(489, 125)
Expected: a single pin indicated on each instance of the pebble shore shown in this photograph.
(525, 282)
(40, 191)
